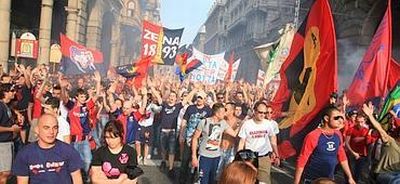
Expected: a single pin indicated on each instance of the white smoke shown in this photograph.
(350, 54)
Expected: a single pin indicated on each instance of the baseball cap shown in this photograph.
(201, 94)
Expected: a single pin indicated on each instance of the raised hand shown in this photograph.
(368, 109)
(97, 76)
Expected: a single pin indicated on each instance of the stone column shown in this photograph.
(5, 9)
(72, 19)
(115, 43)
(93, 32)
(45, 31)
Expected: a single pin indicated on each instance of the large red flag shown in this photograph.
(394, 73)
(77, 58)
(308, 75)
(142, 66)
(228, 75)
(67, 44)
(152, 37)
(371, 78)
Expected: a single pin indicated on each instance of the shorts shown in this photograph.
(264, 169)
(144, 135)
(6, 156)
(32, 134)
(168, 142)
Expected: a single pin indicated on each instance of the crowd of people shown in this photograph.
(101, 129)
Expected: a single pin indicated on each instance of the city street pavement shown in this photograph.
(153, 175)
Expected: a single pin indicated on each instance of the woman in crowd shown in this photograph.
(239, 172)
(115, 162)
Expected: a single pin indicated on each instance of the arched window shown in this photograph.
(130, 9)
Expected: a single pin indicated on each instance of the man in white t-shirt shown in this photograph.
(259, 135)
(51, 106)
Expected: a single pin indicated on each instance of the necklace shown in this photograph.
(328, 136)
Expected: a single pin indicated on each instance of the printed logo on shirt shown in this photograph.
(80, 115)
(331, 146)
(258, 134)
(47, 167)
(123, 159)
(109, 171)
(194, 120)
(170, 111)
(214, 137)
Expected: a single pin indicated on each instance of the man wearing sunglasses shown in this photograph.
(259, 135)
(322, 149)
(7, 130)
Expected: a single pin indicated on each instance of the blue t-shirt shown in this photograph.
(131, 128)
(169, 115)
(193, 116)
(53, 165)
(324, 158)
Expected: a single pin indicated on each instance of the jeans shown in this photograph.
(358, 167)
(186, 159)
(208, 169)
(227, 157)
(83, 148)
(388, 178)
(168, 142)
(98, 131)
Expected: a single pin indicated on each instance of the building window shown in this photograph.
(131, 9)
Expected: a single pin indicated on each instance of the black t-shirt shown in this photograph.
(169, 115)
(23, 97)
(114, 164)
(5, 121)
(245, 110)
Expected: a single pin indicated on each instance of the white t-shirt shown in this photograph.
(257, 135)
(151, 110)
(275, 126)
(63, 128)
(63, 110)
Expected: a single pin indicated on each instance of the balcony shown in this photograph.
(131, 21)
(238, 22)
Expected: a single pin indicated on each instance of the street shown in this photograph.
(153, 175)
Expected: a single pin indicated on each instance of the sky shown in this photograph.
(189, 14)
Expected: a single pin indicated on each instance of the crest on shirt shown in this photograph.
(123, 158)
(331, 146)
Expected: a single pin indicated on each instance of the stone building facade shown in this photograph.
(241, 25)
(111, 26)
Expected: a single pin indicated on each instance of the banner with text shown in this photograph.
(151, 41)
(160, 43)
(210, 68)
(171, 41)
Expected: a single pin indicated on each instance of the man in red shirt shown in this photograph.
(40, 94)
(357, 140)
(80, 122)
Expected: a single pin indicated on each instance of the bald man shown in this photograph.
(48, 160)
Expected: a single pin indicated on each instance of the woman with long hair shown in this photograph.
(239, 172)
(115, 162)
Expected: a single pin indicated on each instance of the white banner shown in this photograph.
(209, 70)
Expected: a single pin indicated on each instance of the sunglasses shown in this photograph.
(266, 112)
(247, 155)
(220, 97)
(338, 117)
